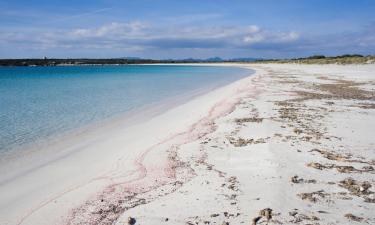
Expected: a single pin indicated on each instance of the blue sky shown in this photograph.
(162, 29)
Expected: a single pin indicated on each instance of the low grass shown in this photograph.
(345, 59)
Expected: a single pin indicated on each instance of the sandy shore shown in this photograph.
(291, 144)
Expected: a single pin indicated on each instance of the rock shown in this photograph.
(256, 219)
(131, 221)
(295, 179)
(225, 223)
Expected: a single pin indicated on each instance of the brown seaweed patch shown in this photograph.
(352, 217)
(300, 217)
(365, 105)
(312, 196)
(240, 142)
(340, 89)
(343, 158)
(341, 169)
(356, 188)
(297, 180)
(331, 155)
(249, 120)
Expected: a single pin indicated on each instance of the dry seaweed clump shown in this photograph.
(341, 169)
(249, 120)
(355, 187)
(240, 142)
(264, 213)
(343, 158)
(299, 217)
(340, 89)
(318, 166)
(289, 113)
(313, 196)
(297, 180)
(331, 155)
(352, 217)
(365, 106)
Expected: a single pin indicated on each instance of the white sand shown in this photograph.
(189, 165)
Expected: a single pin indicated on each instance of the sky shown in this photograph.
(175, 29)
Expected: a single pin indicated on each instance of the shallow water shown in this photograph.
(40, 102)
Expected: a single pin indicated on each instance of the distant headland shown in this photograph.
(315, 59)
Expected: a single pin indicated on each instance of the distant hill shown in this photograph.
(215, 59)
(245, 59)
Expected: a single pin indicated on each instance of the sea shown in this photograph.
(40, 103)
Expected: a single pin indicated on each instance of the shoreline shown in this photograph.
(71, 151)
(95, 129)
(276, 147)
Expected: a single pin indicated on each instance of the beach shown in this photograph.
(290, 144)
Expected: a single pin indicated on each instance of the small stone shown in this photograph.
(131, 221)
(295, 179)
(256, 219)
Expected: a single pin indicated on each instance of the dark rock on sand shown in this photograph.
(131, 221)
(256, 219)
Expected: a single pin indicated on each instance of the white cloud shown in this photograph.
(143, 35)
(139, 35)
(253, 29)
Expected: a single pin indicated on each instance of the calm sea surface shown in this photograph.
(40, 102)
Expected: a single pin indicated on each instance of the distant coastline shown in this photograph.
(315, 59)
(110, 61)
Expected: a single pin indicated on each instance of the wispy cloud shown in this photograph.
(142, 36)
(192, 18)
(77, 16)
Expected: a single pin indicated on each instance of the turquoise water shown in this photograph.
(39, 102)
